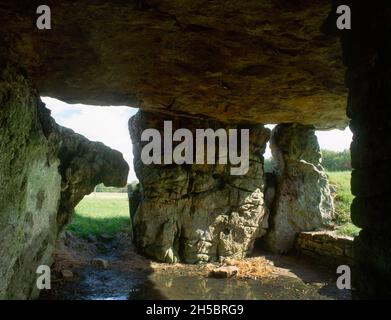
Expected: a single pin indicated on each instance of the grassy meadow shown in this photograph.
(342, 201)
(108, 213)
(100, 214)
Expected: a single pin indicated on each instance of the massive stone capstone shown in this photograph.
(303, 201)
(199, 212)
(45, 170)
(261, 61)
(264, 61)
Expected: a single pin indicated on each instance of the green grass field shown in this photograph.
(95, 216)
(105, 214)
(343, 200)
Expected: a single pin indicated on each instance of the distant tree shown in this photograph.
(336, 161)
(102, 188)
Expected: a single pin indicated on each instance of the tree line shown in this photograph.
(336, 160)
(331, 161)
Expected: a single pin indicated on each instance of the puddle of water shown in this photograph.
(107, 285)
(199, 288)
(101, 284)
(97, 284)
(94, 283)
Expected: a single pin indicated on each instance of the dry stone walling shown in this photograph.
(197, 213)
(303, 201)
(45, 170)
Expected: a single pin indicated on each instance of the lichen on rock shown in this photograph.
(303, 201)
(197, 213)
(83, 164)
(45, 170)
(257, 61)
(30, 186)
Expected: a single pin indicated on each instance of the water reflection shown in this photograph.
(161, 286)
(102, 284)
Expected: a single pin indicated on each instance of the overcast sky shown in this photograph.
(110, 126)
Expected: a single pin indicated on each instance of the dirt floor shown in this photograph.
(129, 275)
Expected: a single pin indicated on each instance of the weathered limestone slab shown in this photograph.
(30, 185)
(303, 201)
(326, 246)
(269, 64)
(257, 61)
(197, 213)
(45, 170)
(84, 164)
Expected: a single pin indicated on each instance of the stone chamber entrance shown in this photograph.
(95, 256)
(274, 63)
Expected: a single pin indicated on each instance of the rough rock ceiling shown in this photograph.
(258, 60)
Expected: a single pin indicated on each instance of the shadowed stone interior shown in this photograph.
(367, 52)
(257, 61)
(236, 63)
(45, 170)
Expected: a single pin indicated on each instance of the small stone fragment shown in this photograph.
(101, 263)
(224, 272)
(66, 274)
(230, 262)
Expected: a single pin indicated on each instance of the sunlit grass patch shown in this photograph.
(348, 229)
(342, 201)
(97, 216)
(344, 195)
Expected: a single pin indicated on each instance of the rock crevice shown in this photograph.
(45, 170)
(302, 201)
(197, 213)
(190, 57)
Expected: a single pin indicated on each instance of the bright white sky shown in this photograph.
(336, 140)
(110, 126)
(97, 123)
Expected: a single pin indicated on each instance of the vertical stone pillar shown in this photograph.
(197, 212)
(134, 197)
(45, 170)
(30, 188)
(367, 55)
(303, 201)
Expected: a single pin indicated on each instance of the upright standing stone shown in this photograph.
(134, 197)
(30, 188)
(45, 171)
(197, 213)
(303, 201)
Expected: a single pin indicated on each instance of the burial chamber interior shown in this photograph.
(273, 63)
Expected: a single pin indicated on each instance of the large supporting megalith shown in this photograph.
(197, 212)
(45, 170)
(367, 55)
(303, 201)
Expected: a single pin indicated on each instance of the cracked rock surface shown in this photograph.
(197, 213)
(261, 61)
(45, 170)
(303, 201)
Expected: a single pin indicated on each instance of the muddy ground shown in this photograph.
(128, 275)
